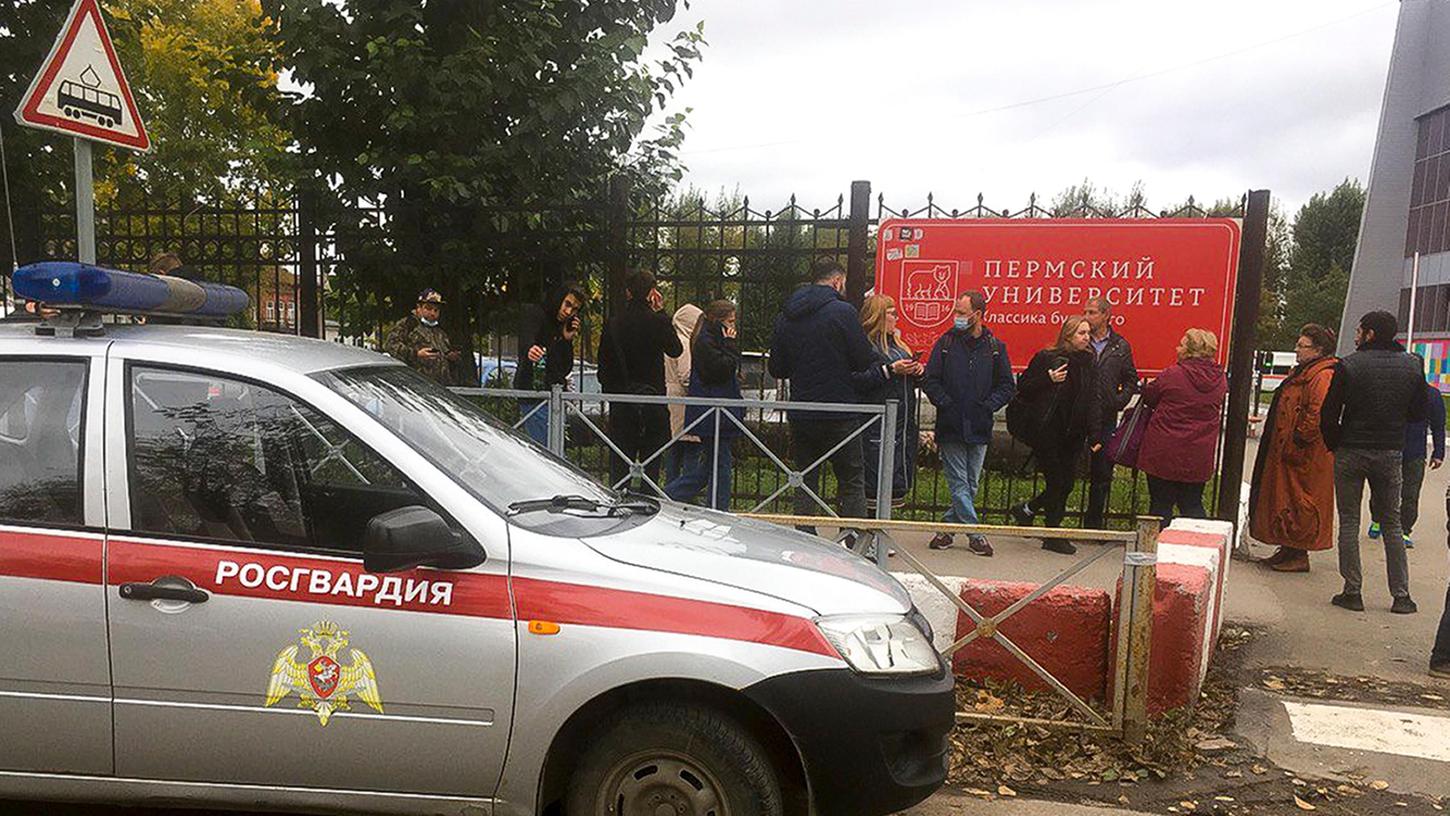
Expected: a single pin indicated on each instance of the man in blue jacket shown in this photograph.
(820, 347)
(968, 378)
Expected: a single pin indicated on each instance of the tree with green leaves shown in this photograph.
(1325, 232)
(441, 113)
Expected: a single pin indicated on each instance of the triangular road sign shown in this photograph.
(81, 89)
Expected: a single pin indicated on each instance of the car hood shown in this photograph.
(756, 556)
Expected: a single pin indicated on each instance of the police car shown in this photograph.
(251, 570)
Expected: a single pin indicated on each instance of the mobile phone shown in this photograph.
(917, 355)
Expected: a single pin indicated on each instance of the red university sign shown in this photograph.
(1162, 276)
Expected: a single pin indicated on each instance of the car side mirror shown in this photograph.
(415, 536)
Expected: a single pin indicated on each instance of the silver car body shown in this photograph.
(166, 701)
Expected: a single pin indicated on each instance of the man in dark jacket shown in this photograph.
(632, 353)
(551, 351)
(1413, 461)
(968, 378)
(1374, 393)
(820, 347)
(1115, 381)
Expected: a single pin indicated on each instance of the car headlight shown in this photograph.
(881, 644)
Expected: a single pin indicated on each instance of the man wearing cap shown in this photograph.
(420, 342)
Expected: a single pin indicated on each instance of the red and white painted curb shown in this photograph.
(1070, 631)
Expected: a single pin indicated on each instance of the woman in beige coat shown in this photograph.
(677, 383)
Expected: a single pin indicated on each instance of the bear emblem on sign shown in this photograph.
(928, 292)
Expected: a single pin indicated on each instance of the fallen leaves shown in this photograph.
(1303, 805)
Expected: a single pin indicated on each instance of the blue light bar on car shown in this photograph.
(67, 284)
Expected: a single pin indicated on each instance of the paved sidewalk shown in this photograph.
(951, 803)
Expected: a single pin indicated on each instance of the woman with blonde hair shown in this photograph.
(878, 318)
(1052, 413)
(1182, 435)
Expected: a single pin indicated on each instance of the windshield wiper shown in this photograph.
(563, 503)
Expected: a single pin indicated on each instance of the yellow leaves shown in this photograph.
(1303, 805)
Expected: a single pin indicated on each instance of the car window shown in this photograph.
(40, 441)
(495, 464)
(219, 458)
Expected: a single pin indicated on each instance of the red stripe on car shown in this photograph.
(623, 609)
(51, 556)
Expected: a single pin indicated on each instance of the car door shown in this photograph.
(249, 645)
(55, 684)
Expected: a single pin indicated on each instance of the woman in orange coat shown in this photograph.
(1291, 504)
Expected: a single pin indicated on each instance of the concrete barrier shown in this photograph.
(1071, 631)
(1064, 631)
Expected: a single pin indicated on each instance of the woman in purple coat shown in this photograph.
(1182, 436)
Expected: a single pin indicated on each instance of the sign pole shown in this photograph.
(1241, 352)
(85, 203)
(1414, 290)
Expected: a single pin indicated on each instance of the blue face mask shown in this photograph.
(962, 323)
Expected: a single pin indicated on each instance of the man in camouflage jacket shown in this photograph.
(420, 341)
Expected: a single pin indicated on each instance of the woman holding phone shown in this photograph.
(715, 373)
(878, 318)
(1053, 414)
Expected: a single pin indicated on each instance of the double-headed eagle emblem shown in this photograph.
(321, 682)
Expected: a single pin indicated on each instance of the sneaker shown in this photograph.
(979, 545)
(1351, 601)
(1022, 515)
(1374, 530)
(1404, 606)
(1441, 670)
(941, 541)
(1409, 545)
(1059, 545)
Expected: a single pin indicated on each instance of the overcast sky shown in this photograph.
(1011, 97)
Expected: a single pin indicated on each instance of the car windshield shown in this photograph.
(497, 465)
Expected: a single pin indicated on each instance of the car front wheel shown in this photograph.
(674, 759)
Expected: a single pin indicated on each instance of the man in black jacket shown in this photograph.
(551, 351)
(1115, 381)
(820, 347)
(632, 353)
(1374, 393)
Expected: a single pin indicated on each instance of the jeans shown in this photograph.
(536, 425)
(963, 465)
(695, 474)
(1412, 475)
(1100, 485)
(810, 439)
(1164, 495)
(1059, 471)
(1381, 468)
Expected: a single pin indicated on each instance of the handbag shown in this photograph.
(1127, 440)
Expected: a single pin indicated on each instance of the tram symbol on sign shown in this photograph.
(85, 100)
(928, 291)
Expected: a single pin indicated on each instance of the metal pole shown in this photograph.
(885, 473)
(1135, 631)
(1241, 352)
(1414, 290)
(886, 460)
(857, 247)
(85, 204)
(556, 420)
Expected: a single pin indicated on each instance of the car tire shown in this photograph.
(674, 758)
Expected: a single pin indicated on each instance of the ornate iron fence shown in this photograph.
(329, 272)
